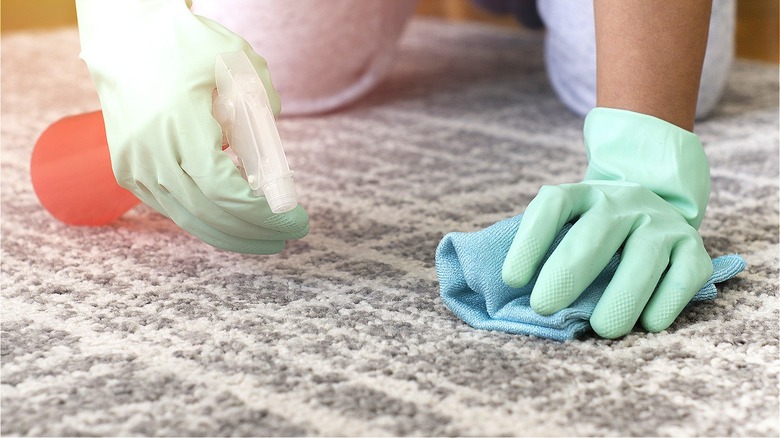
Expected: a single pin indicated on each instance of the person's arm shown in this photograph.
(647, 183)
(153, 63)
(649, 56)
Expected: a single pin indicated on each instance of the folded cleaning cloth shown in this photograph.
(469, 270)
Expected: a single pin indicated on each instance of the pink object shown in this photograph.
(322, 55)
(72, 176)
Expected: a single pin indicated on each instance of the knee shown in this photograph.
(321, 56)
(570, 52)
(718, 58)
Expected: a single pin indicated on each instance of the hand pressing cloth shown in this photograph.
(469, 270)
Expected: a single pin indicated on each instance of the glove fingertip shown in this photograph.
(609, 329)
(269, 247)
(513, 274)
(295, 223)
(257, 247)
(612, 319)
(542, 306)
(522, 261)
(660, 313)
(554, 290)
(655, 325)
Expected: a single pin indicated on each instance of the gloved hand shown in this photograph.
(645, 191)
(152, 62)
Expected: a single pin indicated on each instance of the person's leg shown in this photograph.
(570, 53)
(719, 56)
(322, 55)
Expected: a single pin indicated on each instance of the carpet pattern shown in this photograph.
(139, 329)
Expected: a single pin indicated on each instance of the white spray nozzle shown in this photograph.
(243, 110)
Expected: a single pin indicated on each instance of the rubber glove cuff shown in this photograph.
(662, 157)
(138, 36)
(105, 24)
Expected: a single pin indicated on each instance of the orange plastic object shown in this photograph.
(71, 173)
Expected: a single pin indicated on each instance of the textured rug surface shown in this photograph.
(138, 328)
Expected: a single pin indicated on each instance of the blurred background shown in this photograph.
(756, 33)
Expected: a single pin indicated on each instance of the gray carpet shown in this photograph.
(139, 329)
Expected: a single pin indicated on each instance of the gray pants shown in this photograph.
(325, 54)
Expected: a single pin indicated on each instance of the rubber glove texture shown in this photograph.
(152, 63)
(644, 193)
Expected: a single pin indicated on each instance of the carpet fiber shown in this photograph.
(138, 328)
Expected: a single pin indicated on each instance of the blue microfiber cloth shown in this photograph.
(469, 270)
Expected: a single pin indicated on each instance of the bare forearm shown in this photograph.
(650, 55)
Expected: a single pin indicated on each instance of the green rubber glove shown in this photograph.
(152, 62)
(645, 191)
